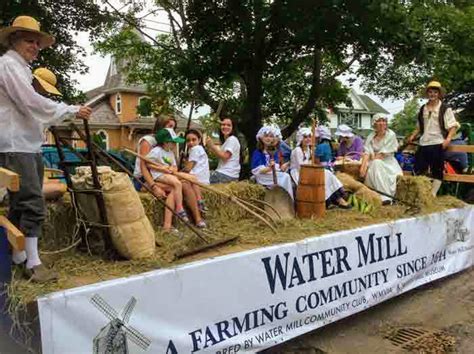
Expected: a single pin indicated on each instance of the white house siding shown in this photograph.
(359, 117)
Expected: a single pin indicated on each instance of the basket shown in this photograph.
(351, 168)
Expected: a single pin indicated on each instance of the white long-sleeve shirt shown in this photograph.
(24, 113)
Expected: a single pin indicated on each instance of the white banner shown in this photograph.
(252, 300)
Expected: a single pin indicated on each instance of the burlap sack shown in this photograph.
(131, 232)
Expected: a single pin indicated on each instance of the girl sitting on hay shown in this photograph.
(301, 155)
(143, 174)
(197, 164)
(266, 158)
(164, 170)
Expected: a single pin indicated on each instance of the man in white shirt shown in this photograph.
(23, 116)
(436, 127)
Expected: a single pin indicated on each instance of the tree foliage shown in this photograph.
(404, 122)
(63, 19)
(447, 55)
(278, 59)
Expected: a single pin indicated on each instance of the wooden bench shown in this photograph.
(464, 178)
(9, 180)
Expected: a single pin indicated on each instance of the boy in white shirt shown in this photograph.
(436, 127)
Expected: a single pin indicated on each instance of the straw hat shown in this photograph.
(344, 131)
(435, 85)
(27, 24)
(47, 80)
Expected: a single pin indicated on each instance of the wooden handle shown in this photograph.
(313, 140)
(274, 173)
(206, 187)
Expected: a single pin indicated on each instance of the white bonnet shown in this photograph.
(344, 131)
(302, 132)
(265, 130)
(323, 132)
(378, 116)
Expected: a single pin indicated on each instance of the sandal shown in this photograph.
(182, 215)
(201, 225)
(202, 207)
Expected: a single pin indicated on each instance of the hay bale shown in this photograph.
(369, 196)
(221, 208)
(359, 189)
(59, 226)
(415, 190)
(349, 182)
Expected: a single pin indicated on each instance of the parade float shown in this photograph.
(268, 285)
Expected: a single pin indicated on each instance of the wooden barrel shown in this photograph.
(310, 194)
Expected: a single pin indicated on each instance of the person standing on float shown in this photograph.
(436, 127)
(23, 115)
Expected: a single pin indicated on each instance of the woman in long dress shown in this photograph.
(379, 165)
(301, 155)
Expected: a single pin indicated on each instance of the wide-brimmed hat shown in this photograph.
(47, 80)
(344, 131)
(435, 85)
(323, 132)
(167, 135)
(27, 24)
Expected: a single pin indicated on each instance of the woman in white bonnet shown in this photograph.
(301, 155)
(349, 143)
(379, 166)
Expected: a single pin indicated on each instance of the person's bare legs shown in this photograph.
(177, 189)
(191, 201)
(197, 191)
(168, 214)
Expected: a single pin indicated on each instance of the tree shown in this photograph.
(447, 56)
(404, 122)
(271, 59)
(62, 19)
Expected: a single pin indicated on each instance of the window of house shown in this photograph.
(144, 106)
(118, 104)
(354, 120)
(102, 138)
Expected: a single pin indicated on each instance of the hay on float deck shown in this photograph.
(77, 268)
(415, 190)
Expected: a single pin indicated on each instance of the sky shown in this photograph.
(98, 66)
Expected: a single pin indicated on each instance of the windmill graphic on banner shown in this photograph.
(113, 338)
